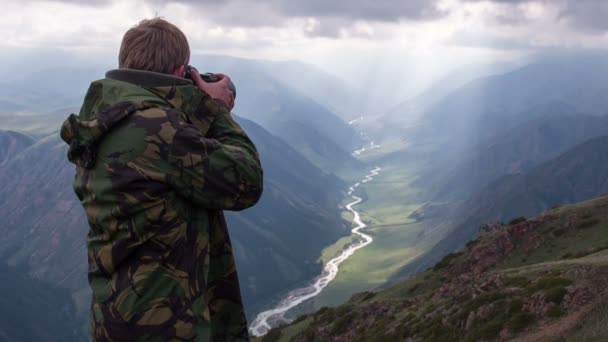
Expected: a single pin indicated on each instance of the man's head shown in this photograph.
(154, 45)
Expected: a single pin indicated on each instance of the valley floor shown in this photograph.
(389, 200)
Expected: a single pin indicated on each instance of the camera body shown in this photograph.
(209, 78)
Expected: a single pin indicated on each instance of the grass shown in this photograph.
(370, 267)
(588, 236)
(593, 329)
(334, 250)
(388, 201)
(390, 197)
(292, 330)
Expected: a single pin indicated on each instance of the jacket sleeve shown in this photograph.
(219, 171)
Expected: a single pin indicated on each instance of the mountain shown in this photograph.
(490, 105)
(539, 279)
(34, 311)
(43, 226)
(306, 79)
(286, 109)
(411, 110)
(11, 143)
(515, 151)
(577, 175)
(43, 89)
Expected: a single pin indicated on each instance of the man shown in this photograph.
(157, 160)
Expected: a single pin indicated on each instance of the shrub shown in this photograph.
(559, 232)
(520, 322)
(490, 330)
(555, 311)
(588, 223)
(555, 295)
(472, 243)
(515, 306)
(324, 314)
(518, 220)
(445, 262)
(272, 336)
(550, 282)
(483, 299)
(517, 281)
(341, 325)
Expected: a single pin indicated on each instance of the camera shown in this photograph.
(210, 78)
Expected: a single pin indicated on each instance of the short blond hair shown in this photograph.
(154, 45)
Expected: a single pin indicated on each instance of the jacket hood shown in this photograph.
(111, 100)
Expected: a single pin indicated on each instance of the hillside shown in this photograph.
(541, 279)
(11, 144)
(515, 151)
(297, 119)
(32, 310)
(489, 106)
(577, 175)
(328, 90)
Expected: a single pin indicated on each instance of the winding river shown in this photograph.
(268, 319)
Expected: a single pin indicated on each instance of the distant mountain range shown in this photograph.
(33, 310)
(12, 143)
(285, 98)
(487, 106)
(515, 151)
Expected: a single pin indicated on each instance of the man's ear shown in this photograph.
(180, 71)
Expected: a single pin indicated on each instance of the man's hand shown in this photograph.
(218, 90)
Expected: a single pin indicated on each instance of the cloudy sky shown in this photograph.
(417, 41)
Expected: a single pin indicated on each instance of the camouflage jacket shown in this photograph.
(157, 160)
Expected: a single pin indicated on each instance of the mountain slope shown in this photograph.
(541, 279)
(577, 175)
(34, 311)
(43, 226)
(516, 151)
(300, 203)
(490, 105)
(11, 143)
(328, 90)
(292, 115)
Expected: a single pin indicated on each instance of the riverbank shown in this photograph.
(271, 318)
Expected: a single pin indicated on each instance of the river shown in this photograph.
(267, 319)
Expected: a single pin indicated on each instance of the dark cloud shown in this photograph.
(91, 3)
(586, 15)
(330, 18)
(262, 11)
(256, 13)
(589, 15)
(374, 10)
